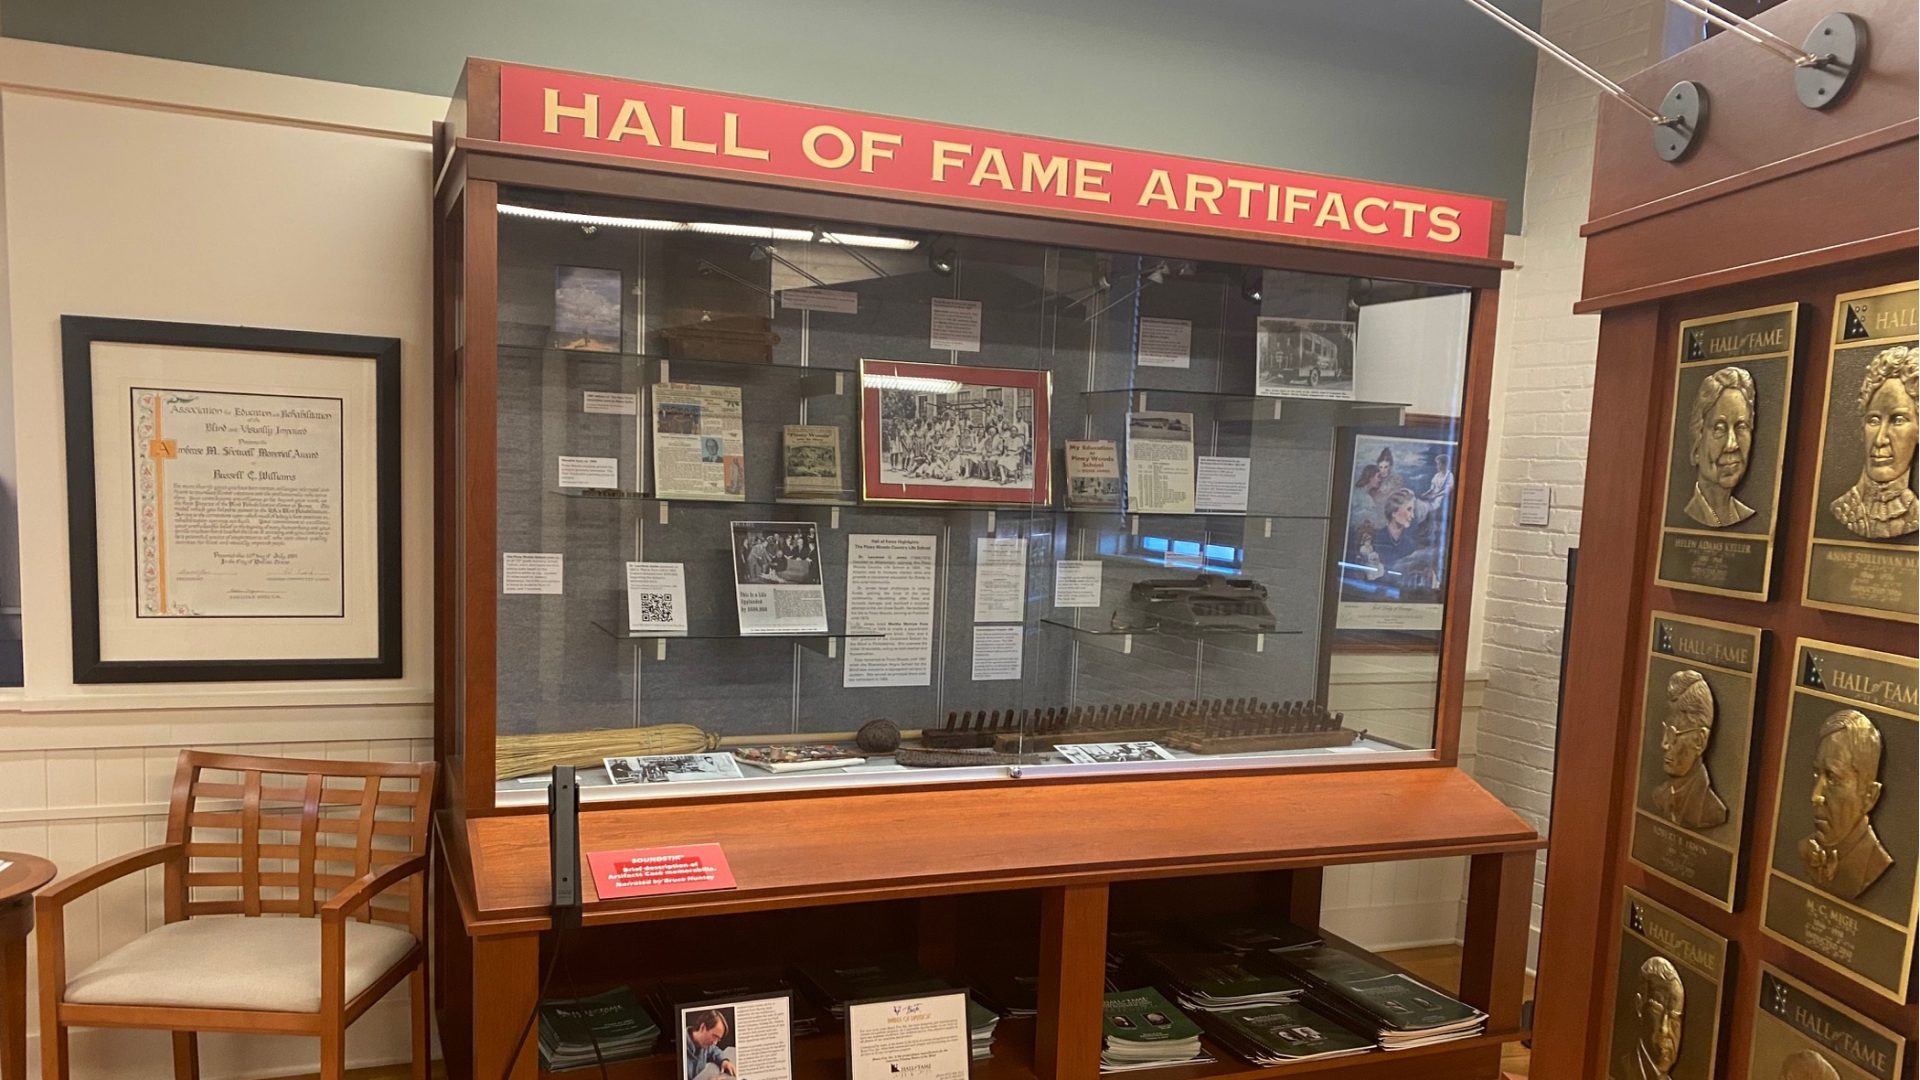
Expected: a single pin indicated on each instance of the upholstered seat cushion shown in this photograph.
(269, 963)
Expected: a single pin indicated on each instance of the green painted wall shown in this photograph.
(1423, 92)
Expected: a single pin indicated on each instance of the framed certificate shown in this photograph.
(233, 501)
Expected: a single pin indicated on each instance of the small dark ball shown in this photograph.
(878, 737)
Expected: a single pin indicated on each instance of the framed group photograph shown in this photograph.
(947, 433)
(1732, 385)
(1846, 828)
(233, 500)
(1864, 548)
(1393, 504)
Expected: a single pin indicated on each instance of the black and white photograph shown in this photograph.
(1110, 753)
(671, 768)
(970, 436)
(776, 553)
(586, 308)
(1305, 358)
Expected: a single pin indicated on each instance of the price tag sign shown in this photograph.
(664, 871)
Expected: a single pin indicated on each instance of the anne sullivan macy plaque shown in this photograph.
(1864, 548)
(1840, 884)
(1802, 1034)
(1730, 405)
(1666, 995)
(1696, 736)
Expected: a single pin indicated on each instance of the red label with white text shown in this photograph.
(808, 146)
(621, 875)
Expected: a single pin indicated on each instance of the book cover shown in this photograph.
(1093, 474)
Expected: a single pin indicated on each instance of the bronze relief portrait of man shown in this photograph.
(1696, 742)
(1863, 554)
(1800, 1033)
(1733, 379)
(1666, 995)
(1840, 885)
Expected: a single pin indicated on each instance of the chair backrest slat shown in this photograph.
(273, 836)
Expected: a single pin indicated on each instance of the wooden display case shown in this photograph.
(1028, 865)
(1778, 204)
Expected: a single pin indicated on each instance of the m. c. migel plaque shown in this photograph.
(1840, 884)
(1863, 555)
(1696, 732)
(1730, 406)
(1666, 995)
(1801, 1034)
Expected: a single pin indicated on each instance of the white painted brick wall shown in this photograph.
(1544, 392)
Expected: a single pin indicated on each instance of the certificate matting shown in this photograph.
(233, 501)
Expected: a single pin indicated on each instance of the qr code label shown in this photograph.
(654, 607)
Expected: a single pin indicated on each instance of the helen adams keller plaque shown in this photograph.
(1802, 1034)
(1731, 388)
(1840, 884)
(1861, 555)
(1666, 995)
(1696, 732)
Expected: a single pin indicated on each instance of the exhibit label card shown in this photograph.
(1840, 885)
(656, 598)
(1076, 583)
(838, 301)
(1696, 738)
(618, 875)
(955, 325)
(739, 1039)
(1864, 552)
(776, 578)
(1165, 342)
(917, 1038)
(526, 573)
(1000, 579)
(1732, 386)
(997, 652)
(1800, 1032)
(589, 472)
(1666, 995)
(1220, 484)
(1160, 463)
(889, 591)
(611, 404)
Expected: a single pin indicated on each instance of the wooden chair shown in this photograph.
(294, 901)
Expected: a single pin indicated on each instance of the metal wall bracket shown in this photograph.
(1839, 44)
(1683, 115)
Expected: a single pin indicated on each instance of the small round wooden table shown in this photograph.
(18, 883)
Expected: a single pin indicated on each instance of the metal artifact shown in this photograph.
(1202, 602)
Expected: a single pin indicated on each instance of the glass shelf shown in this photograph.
(815, 381)
(1241, 515)
(1226, 395)
(828, 642)
(1104, 632)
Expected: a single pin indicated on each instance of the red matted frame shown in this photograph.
(873, 490)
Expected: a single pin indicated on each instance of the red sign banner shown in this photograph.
(808, 146)
(621, 875)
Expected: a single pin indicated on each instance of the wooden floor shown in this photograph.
(1438, 964)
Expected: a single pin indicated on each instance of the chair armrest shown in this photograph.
(366, 887)
(68, 889)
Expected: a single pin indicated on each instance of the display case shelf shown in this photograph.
(1129, 517)
(812, 381)
(1239, 396)
(1125, 638)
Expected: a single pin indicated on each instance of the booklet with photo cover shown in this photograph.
(1141, 1029)
(1255, 933)
(1362, 988)
(609, 1026)
(892, 976)
(1220, 980)
(1276, 1034)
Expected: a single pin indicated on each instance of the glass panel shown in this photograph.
(1239, 561)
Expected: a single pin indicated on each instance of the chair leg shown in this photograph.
(53, 1051)
(186, 1056)
(422, 1042)
(333, 1054)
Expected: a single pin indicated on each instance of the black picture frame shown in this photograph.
(78, 334)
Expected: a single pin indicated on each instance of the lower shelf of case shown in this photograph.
(822, 1057)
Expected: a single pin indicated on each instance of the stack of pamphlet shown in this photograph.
(887, 977)
(577, 1032)
(1217, 980)
(674, 995)
(1254, 933)
(1279, 1034)
(1015, 995)
(1142, 1030)
(981, 1022)
(1370, 996)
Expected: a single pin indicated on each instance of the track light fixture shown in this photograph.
(942, 260)
(1251, 283)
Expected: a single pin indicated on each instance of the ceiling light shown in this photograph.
(710, 228)
(915, 383)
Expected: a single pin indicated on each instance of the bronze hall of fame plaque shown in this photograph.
(1864, 549)
(1802, 1034)
(1840, 883)
(1666, 995)
(1730, 406)
(1696, 737)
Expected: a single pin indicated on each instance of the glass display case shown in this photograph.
(793, 501)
